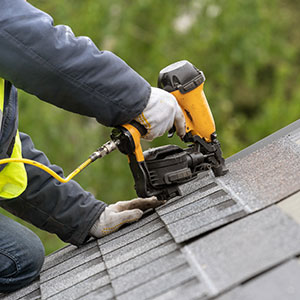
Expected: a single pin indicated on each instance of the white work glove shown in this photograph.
(120, 213)
(160, 114)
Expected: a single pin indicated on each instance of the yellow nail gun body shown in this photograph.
(159, 171)
(186, 82)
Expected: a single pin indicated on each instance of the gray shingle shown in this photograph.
(188, 199)
(202, 210)
(35, 295)
(294, 136)
(65, 253)
(203, 182)
(245, 248)
(59, 256)
(185, 291)
(217, 200)
(136, 248)
(70, 263)
(148, 272)
(161, 284)
(277, 284)
(265, 176)
(99, 284)
(131, 236)
(30, 292)
(103, 293)
(291, 206)
(72, 277)
(203, 221)
(142, 259)
(194, 231)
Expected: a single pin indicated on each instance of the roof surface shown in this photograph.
(227, 238)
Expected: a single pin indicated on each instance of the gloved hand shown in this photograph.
(160, 114)
(120, 213)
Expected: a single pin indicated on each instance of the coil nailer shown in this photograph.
(159, 171)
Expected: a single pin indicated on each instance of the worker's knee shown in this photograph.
(34, 258)
(8, 265)
(19, 268)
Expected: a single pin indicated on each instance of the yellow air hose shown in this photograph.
(102, 151)
(47, 169)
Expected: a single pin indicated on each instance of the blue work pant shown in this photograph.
(21, 255)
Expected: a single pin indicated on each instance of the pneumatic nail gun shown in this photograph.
(159, 171)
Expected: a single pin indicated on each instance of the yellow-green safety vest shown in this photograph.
(13, 177)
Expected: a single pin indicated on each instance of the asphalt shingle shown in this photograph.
(191, 289)
(71, 278)
(199, 223)
(265, 176)
(142, 259)
(148, 272)
(64, 254)
(103, 293)
(294, 136)
(70, 263)
(277, 284)
(291, 206)
(203, 182)
(245, 248)
(99, 283)
(134, 249)
(193, 197)
(162, 284)
(151, 223)
(32, 292)
(201, 210)
(148, 217)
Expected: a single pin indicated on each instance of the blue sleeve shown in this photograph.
(70, 72)
(61, 208)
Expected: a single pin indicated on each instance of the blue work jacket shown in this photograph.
(72, 73)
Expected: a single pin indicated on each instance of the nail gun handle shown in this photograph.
(129, 136)
(129, 143)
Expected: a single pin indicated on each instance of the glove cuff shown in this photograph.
(95, 230)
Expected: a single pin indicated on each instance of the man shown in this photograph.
(73, 74)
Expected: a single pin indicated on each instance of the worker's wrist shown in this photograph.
(95, 228)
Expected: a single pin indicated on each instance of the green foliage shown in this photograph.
(248, 50)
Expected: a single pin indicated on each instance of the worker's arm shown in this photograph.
(61, 208)
(70, 72)
(65, 208)
(67, 71)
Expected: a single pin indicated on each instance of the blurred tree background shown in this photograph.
(249, 51)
